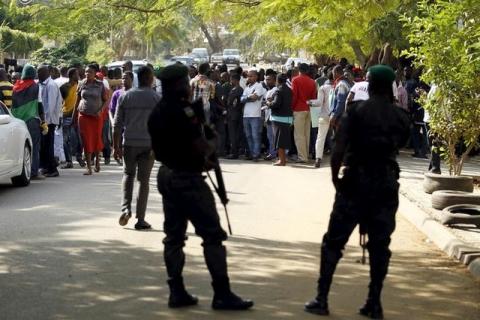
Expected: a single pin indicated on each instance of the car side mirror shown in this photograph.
(5, 119)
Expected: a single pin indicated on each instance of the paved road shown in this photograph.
(63, 255)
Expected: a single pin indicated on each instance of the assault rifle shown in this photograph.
(212, 161)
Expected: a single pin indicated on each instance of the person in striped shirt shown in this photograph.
(5, 89)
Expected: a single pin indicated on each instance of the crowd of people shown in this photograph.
(258, 114)
(293, 116)
(82, 113)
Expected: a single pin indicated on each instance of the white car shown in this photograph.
(136, 64)
(15, 149)
(200, 55)
(231, 56)
(294, 62)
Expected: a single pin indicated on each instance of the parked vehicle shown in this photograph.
(186, 60)
(231, 56)
(118, 64)
(294, 62)
(216, 58)
(200, 55)
(15, 149)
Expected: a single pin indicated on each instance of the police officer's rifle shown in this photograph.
(220, 189)
(213, 163)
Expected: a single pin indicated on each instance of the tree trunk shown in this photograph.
(359, 54)
(323, 59)
(373, 59)
(387, 57)
(215, 44)
(125, 43)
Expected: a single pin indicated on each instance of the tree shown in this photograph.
(71, 53)
(125, 25)
(101, 52)
(18, 43)
(329, 27)
(445, 40)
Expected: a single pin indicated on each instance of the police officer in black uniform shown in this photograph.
(179, 140)
(367, 194)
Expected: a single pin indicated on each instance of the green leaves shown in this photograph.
(73, 52)
(18, 42)
(445, 44)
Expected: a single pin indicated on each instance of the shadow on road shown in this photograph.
(68, 259)
(115, 280)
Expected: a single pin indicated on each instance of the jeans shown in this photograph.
(136, 161)
(419, 139)
(107, 149)
(71, 143)
(47, 151)
(253, 132)
(33, 126)
(271, 140)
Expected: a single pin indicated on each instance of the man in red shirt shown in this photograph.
(303, 90)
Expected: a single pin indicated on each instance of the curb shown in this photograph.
(441, 236)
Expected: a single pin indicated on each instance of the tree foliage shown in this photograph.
(71, 53)
(125, 25)
(100, 52)
(445, 39)
(337, 28)
(17, 42)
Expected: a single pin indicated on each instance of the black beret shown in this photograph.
(173, 72)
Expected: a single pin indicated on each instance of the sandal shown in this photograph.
(97, 167)
(88, 173)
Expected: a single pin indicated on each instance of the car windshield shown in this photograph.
(231, 52)
(200, 53)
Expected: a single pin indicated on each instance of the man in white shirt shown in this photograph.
(128, 66)
(252, 113)
(270, 81)
(51, 99)
(359, 92)
(63, 77)
(322, 103)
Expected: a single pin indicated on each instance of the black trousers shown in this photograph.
(187, 197)
(375, 207)
(222, 135)
(47, 150)
(235, 131)
(435, 160)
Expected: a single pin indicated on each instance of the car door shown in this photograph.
(8, 152)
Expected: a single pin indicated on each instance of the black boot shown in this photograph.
(179, 297)
(328, 263)
(373, 306)
(225, 299)
(319, 306)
